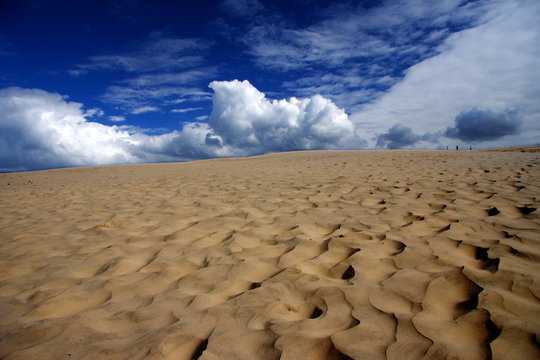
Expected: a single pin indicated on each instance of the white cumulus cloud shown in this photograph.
(244, 118)
(40, 130)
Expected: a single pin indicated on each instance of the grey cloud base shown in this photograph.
(397, 137)
(481, 125)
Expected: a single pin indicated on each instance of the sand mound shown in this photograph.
(308, 255)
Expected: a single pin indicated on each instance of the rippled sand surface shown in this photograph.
(306, 255)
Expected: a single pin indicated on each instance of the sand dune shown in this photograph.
(307, 255)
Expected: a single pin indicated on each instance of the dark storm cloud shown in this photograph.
(399, 136)
(484, 125)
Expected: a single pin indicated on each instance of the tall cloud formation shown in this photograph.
(245, 119)
(40, 130)
(482, 125)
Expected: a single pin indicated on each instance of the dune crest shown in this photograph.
(305, 255)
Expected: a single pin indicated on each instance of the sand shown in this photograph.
(305, 255)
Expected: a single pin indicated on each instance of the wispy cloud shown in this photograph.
(345, 86)
(138, 62)
(144, 109)
(116, 118)
(154, 73)
(176, 78)
(185, 110)
(96, 112)
(366, 50)
(163, 54)
(130, 98)
(408, 29)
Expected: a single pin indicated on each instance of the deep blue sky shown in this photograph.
(52, 45)
(405, 74)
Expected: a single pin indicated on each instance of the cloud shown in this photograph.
(365, 47)
(117, 118)
(407, 29)
(400, 136)
(482, 125)
(144, 109)
(94, 112)
(245, 119)
(40, 130)
(397, 137)
(153, 72)
(345, 86)
(186, 110)
(130, 98)
(158, 54)
(183, 77)
(190, 143)
(491, 66)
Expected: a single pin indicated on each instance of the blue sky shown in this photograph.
(94, 82)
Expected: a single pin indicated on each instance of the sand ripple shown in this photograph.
(309, 255)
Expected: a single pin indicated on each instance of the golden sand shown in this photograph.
(307, 255)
